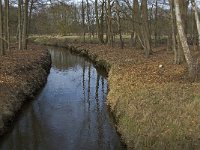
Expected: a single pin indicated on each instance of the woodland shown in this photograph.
(149, 48)
(144, 24)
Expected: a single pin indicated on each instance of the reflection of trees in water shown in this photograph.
(99, 113)
(62, 59)
(103, 89)
(89, 78)
(27, 134)
(16, 140)
(83, 81)
(38, 129)
(88, 98)
(94, 128)
(97, 104)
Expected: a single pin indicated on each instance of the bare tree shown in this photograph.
(119, 24)
(183, 4)
(194, 6)
(2, 52)
(30, 15)
(156, 23)
(88, 18)
(25, 25)
(101, 28)
(19, 24)
(173, 31)
(109, 15)
(183, 40)
(7, 30)
(97, 17)
(145, 28)
(136, 21)
(83, 19)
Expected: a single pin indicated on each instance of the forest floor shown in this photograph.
(22, 73)
(155, 107)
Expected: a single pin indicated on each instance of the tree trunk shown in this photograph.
(97, 18)
(137, 23)
(7, 30)
(106, 23)
(20, 24)
(183, 40)
(88, 18)
(194, 6)
(119, 26)
(2, 52)
(25, 25)
(101, 32)
(145, 30)
(156, 23)
(30, 16)
(173, 33)
(83, 19)
(183, 6)
(110, 36)
(133, 28)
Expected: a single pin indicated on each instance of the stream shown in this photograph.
(69, 113)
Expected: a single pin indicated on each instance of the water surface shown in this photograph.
(69, 113)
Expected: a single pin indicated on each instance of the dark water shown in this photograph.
(70, 112)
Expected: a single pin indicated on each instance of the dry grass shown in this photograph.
(22, 73)
(156, 108)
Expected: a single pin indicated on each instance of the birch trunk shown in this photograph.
(183, 40)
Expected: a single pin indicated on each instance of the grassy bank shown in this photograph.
(155, 107)
(22, 74)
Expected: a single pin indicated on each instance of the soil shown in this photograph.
(22, 74)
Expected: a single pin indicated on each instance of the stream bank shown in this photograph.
(69, 112)
(22, 74)
(155, 108)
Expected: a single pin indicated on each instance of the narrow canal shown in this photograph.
(70, 113)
